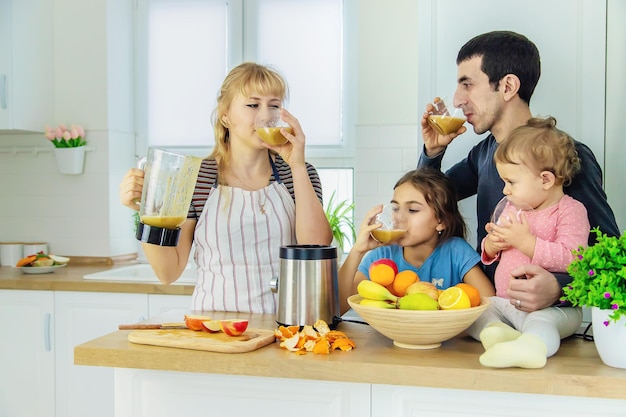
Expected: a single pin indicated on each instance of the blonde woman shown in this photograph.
(250, 198)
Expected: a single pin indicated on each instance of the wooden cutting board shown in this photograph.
(250, 340)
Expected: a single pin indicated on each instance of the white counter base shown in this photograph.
(149, 393)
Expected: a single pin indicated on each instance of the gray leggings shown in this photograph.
(550, 324)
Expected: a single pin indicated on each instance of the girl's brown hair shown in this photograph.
(440, 195)
(540, 146)
(245, 79)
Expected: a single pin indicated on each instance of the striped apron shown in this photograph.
(238, 238)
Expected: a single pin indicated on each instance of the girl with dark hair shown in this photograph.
(433, 246)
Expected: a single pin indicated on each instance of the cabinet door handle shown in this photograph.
(3, 91)
(46, 332)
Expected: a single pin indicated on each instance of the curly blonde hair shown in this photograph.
(540, 146)
(245, 79)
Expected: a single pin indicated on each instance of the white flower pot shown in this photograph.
(609, 340)
(70, 160)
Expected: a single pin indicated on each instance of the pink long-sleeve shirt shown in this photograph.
(559, 230)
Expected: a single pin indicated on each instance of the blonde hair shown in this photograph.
(540, 146)
(245, 79)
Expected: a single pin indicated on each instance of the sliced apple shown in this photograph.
(234, 327)
(59, 260)
(194, 322)
(212, 326)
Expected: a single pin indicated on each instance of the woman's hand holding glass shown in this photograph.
(289, 139)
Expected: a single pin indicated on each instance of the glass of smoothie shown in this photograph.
(508, 209)
(444, 117)
(393, 224)
(268, 125)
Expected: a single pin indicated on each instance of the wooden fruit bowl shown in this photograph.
(417, 329)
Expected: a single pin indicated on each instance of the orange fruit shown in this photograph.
(382, 273)
(454, 298)
(472, 292)
(403, 280)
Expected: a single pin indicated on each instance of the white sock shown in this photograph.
(497, 332)
(527, 351)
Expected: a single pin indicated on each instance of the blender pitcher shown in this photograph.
(169, 182)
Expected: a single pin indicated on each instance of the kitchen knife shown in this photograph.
(146, 326)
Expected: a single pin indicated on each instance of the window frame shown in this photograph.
(323, 156)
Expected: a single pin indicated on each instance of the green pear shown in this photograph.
(417, 301)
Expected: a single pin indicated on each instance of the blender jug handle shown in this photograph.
(141, 162)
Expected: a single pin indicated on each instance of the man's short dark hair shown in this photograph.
(505, 52)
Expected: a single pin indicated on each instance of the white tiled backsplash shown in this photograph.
(77, 215)
(81, 215)
(383, 154)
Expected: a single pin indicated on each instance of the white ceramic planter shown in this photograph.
(70, 160)
(609, 340)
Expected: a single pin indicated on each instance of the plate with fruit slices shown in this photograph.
(40, 269)
(41, 263)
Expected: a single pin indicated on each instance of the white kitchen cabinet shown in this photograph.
(82, 316)
(40, 329)
(399, 401)
(163, 393)
(26, 353)
(26, 65)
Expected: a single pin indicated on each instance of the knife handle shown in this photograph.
(138, 326)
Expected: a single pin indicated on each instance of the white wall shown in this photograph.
(81, 216)
(615, 155)
(386, 131)
(78, 215)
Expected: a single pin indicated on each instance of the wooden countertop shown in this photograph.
(70, 278)
(575, 370)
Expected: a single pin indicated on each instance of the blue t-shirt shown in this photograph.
(445, 267)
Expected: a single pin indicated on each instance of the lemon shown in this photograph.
(454, 298)
(417, 301)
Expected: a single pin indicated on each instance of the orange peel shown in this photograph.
(322, 347)
(344, 344)
(319, 339)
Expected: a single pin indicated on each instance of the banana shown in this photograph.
(377, 303)
(374, 291)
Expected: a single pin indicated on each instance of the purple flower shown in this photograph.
(614, 306)
(606, 323)
(607, 295)
(591, 273)
(580, 256)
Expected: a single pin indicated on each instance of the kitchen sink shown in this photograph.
(142, 273)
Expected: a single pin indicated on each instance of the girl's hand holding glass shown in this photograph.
(392, 221)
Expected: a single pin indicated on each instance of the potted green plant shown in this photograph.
(339, 215)
(599, 281)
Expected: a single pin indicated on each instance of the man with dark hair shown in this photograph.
(497, 75)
